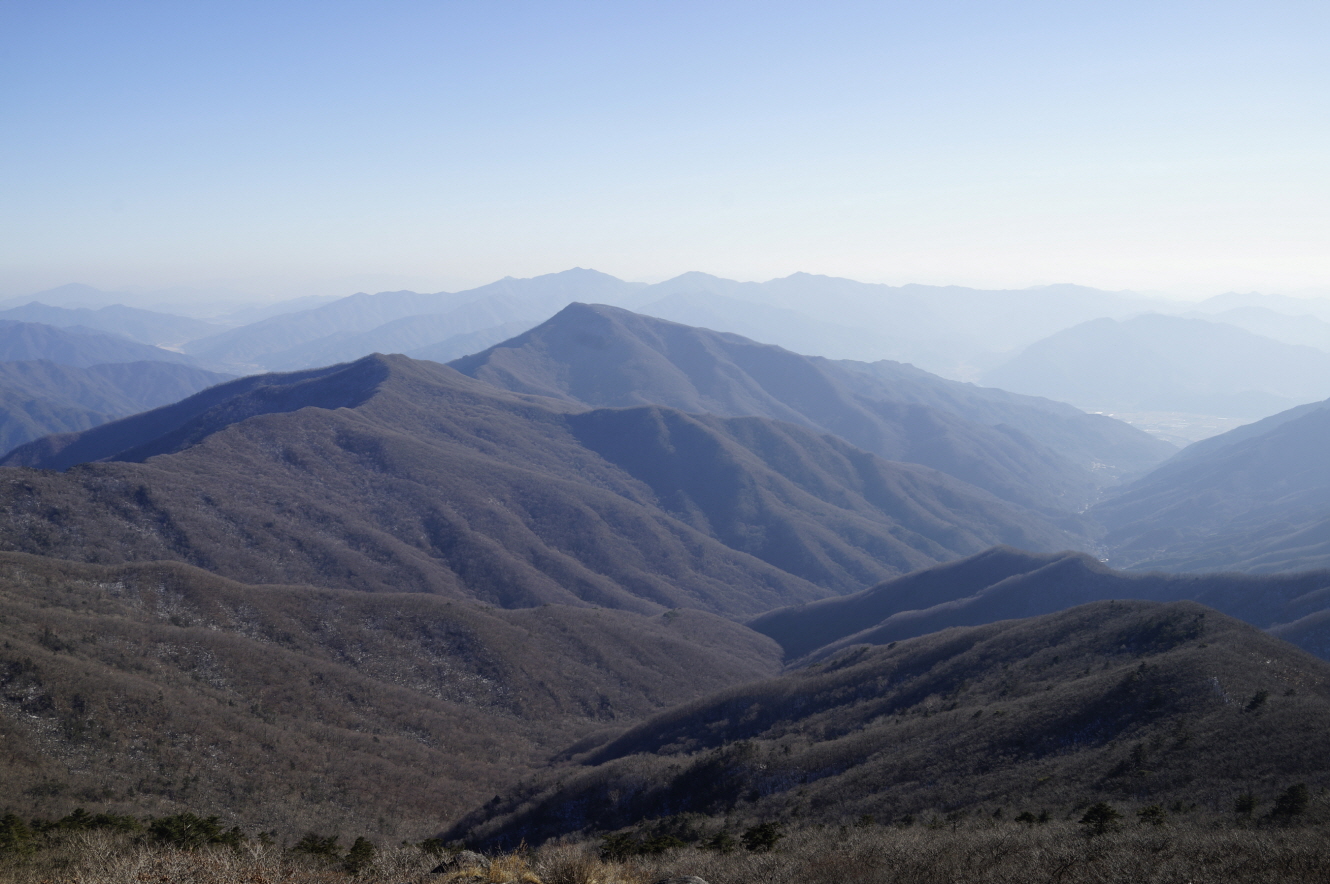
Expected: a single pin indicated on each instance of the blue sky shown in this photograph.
(291, 148)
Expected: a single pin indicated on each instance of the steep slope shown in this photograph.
(391, 474)
(158, 688)
(24, 341)
(1255, 499)
(1150, 703)
(40, 397)
(144, 326)
(1168, 363)
(604, 356)
(1005, 583)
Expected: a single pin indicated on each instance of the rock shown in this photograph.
(682, 879)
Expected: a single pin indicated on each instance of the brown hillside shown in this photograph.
(157, 688)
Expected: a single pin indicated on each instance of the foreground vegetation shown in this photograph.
(1099, 847)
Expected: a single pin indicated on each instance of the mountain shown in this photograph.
(1304, 330)
(306, 338)
(485, 320)
(77, 346)
(1254, 499)
(954, 331)
(1167, 363)
(1005, 584)
(1284, 304)
(143, 326)
(1172, 705)
(1033, 452)
(388, 474)
(38, 398)
(158, 689)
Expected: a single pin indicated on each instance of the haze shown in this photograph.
(276, 150)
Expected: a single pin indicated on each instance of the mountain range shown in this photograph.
(609, 568)
(389, 473)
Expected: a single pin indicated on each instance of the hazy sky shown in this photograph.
(292, 148)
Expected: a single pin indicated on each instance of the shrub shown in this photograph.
(185, 830)
(325, 846)
(722, 841)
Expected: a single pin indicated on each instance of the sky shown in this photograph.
(283, 148)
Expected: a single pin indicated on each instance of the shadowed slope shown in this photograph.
(1110, 700)
(1004, 583)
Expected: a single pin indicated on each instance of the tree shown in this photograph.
(1100, 819)
(1292, 801)
(1244, 804)
(762, 837)
(359, 856)
(15, 836)
(319, 845)
(1154, 815)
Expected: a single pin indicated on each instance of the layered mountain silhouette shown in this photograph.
(1254, 499)
(1168, 363)
(1033, 452)
(393, 474)
(1005, 584)
(144, 326)
(160, 689)
(400, 321)
(38, 398)
(76, 346)
(1156, 703)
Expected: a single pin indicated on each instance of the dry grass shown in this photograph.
(1009, 853)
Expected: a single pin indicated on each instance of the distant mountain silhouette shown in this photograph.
(392, 474)
(1168, 704)
(1005, 584)
(143, 326)
(75, 345)
(1254, 499)
(1168, 363)
(39, 397)
(361, 324)
(1034, 452)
